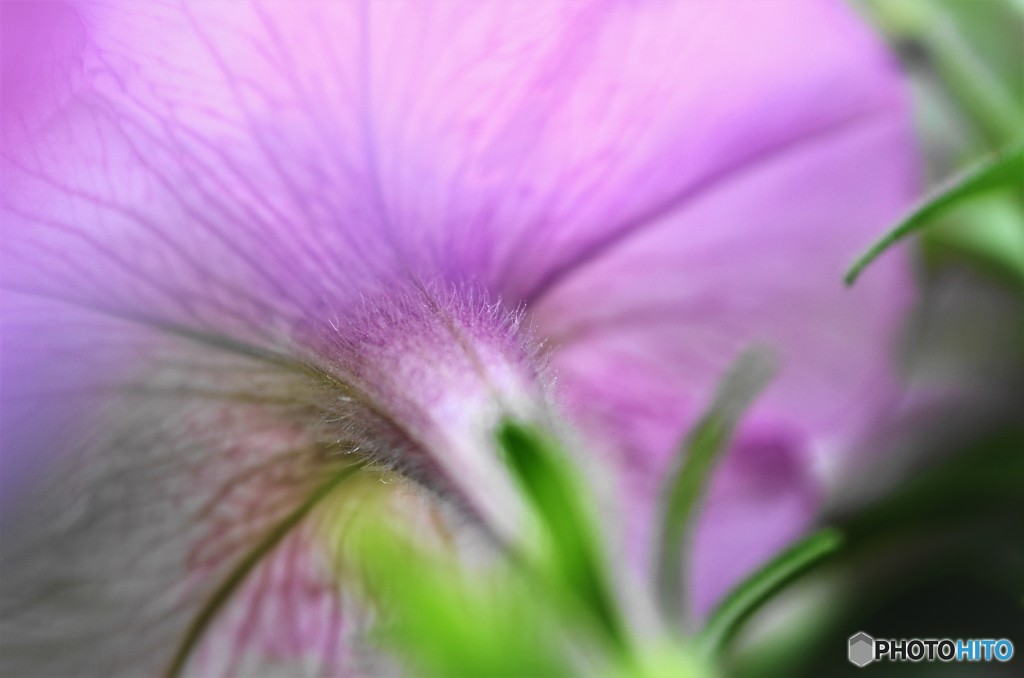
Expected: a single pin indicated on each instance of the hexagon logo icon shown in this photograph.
(862, 649)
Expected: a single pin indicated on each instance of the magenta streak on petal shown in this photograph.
(309, 108)
(707, 184)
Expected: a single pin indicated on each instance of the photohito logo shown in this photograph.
(863, 649)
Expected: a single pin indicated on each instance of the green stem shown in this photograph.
(750, 595)
(999, 171)
(686, 485)
(573, 561)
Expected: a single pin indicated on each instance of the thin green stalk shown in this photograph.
(686, 485)
(757, 589)
(574, 556)
(1001, 170)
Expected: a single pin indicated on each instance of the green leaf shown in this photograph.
(1002, 170)
(571, 555)
(444, 619)
(758, 588)
(686, 484)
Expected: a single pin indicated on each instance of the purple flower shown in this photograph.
(243, 240)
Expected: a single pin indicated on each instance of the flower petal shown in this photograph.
(311, 149)
(240, 173)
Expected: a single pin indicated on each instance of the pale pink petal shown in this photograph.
(311, 149)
